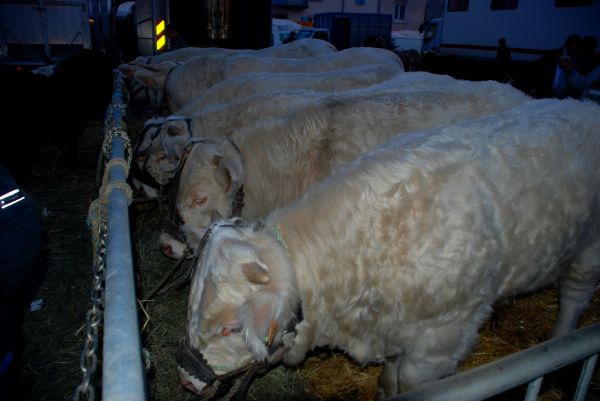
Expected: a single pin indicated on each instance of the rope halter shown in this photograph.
(194, 363)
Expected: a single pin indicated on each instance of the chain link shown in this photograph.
(93, 320)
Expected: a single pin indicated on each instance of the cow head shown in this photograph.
(242, 296)
(149, 81)
(160, 148)
(165, 157)
(210, 178)
(183, 243)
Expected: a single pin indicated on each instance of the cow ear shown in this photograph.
(255, 273)
(229, 173)
(261, 316)
(150, 79)
(128, 69)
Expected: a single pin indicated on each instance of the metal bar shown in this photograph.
(122, 374)
(533, 389)
(584, 378)
(49, 3)
(44, 28)
(522, 367)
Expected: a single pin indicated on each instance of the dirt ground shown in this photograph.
(53, 336)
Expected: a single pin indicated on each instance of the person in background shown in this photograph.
(581, 86)
(290, 38)
(176, 41)
(571, 53)
(589, 57)
(19, 242)
(503, 58)
(370, 41)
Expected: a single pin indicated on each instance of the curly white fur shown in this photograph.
(282, 158)
(298, 49)
(180, 84)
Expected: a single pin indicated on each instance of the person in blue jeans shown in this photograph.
(581, 86)
(19, 242)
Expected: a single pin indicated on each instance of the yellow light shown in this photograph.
(160, 27)
(161, 42)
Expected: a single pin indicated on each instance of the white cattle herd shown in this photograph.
(366, 209)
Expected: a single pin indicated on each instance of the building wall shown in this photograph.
(413, 17)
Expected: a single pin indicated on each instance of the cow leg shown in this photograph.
(439, 345)
(388, 381)
(577, 288)
(298, 345)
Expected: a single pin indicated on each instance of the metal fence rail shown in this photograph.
(122, 368)
(526, 366)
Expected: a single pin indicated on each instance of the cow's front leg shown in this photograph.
(388, 381)
(298, 345)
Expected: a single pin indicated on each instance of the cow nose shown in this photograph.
(188, 385)
(167, 250)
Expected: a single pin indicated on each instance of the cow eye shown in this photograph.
(227, 330)
(199, 201)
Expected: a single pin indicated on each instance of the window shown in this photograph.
(504, 4)
(399, 12)
(291, 3)
(573, 3)
(359, 2)
(458, 5)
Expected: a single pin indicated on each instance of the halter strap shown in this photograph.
(173, 219)
(196, 365)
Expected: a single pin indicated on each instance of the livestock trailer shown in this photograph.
(353, 29)
(228, 24)
(531, 27)
(36, 33)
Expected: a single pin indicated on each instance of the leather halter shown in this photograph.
(173, 220)
(142, 173)
(196, 365)
(162, 105)
(216, 385)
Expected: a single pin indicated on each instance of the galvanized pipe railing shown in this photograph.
(511, 371)
(122, 368)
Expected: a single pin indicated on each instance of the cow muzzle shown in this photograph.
(195, 365)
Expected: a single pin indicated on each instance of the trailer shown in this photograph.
(471, 29)
(45, 32)
(354, 29)
(232, 24)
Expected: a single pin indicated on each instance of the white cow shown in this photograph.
(302, 48)
(175, 85)
(142, 91)
(279, 160)
(240, 101)
(399, 258)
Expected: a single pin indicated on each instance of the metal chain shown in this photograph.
(97, 220)
(107, 143)
(93, 320)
